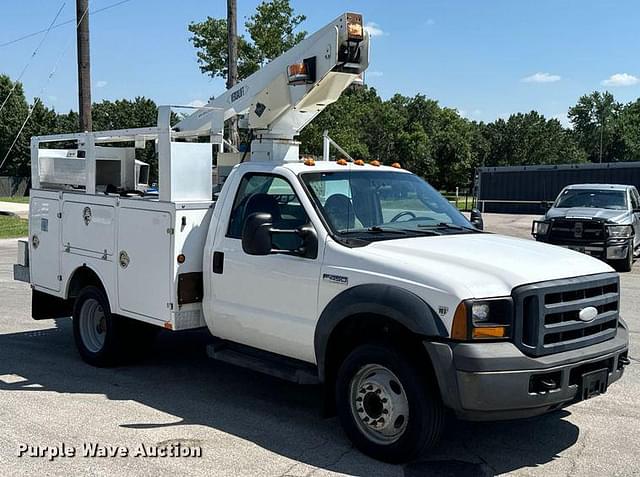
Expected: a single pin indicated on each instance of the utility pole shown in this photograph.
(232, 59)
(84, 65)
(602, 121)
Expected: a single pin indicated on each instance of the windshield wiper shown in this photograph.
(377, 229)
(446, 225)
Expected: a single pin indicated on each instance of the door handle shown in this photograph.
(218, 262)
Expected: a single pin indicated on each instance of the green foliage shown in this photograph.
(210, 39)
(272, 29)
(13, 115)
(272, 32)
(11, 227)
(596, 122)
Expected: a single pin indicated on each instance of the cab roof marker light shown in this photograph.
(359, 162)
(342, 162)
(396, 165)
(375, 163)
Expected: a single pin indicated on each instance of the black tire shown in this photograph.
(109, 330)
(425, 416)
(626, 264)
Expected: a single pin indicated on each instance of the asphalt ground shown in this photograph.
(247, 424)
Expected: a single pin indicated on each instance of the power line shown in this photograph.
(58, 25)
(33, 55)
(33, 107)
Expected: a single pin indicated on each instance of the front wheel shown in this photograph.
(95, 330)
(389, 407)
(626, 264)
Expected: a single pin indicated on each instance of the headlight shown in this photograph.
(540, 228)
(483, 319)
(480, 312)
(619, 231)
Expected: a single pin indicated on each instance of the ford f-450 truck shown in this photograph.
(356, 276)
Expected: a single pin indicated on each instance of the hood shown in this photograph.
(610, 215)
(480, 265)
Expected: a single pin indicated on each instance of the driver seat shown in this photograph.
(340, 212)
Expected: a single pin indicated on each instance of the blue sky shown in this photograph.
(485, 58)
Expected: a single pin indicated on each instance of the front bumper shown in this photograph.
(495, 381)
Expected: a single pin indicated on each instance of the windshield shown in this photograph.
(597, 199)
(361, 202)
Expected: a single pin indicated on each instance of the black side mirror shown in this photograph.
(256, 234)
(257, 237)
(476, 219)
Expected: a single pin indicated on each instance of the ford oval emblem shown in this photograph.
(588, 314)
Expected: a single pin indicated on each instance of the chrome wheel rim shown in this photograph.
(379, 404)
(93, 325)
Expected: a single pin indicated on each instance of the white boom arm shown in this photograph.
(281, 98)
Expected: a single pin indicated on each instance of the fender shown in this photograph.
(390, 301)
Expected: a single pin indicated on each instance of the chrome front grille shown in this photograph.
(548, 313)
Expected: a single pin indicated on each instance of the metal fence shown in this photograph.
(521, 189)
(13, 186)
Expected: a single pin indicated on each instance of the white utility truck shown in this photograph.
(354, 275)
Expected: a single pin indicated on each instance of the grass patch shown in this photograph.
(12, 227)
(17, 200)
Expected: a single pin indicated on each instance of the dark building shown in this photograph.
(521, 189)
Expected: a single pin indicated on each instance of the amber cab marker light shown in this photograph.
(309, 162)
(396, 165)
(489, 332)
(375, 163)
(459, 329)
(359, 162)
(342, 162)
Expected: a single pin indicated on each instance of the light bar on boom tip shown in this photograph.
(355, 30)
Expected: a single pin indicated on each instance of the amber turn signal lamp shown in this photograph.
(459, 329)
(489, 332)
(181, 258)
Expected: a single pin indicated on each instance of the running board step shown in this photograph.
(264, 362)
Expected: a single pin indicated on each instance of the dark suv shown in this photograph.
(602, 220)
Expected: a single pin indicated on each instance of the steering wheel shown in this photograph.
(402, 214)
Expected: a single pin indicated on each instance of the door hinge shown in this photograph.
(59, 278)
(170, 306)
(59, 215)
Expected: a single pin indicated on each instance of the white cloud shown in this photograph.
(101, 83)
(430, 22)
(374, 29)
(541, 78)
(197, 103)
(621, 79)
(374, 74)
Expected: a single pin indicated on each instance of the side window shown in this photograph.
(635, 199)
(270, 194)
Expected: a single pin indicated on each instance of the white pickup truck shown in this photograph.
(357, 276)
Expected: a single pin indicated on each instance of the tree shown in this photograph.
(630, 130)
(595, 119)
(272, 29)
(15, 111)
(272, 32)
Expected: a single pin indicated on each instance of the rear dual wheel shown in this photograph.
(102, 338)
(389, 407)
